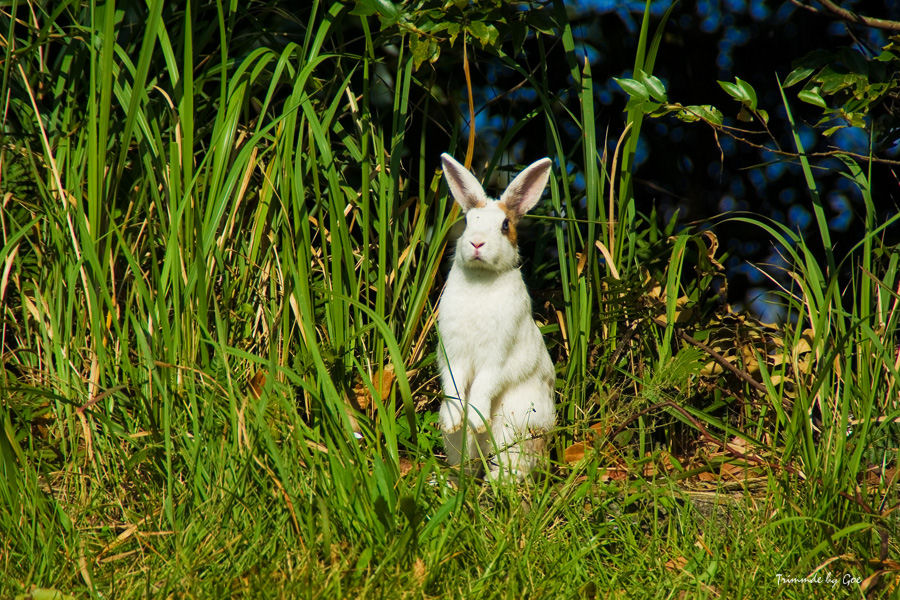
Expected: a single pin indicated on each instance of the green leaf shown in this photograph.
(705, 112)
(811, 96)
(733, 90)
(453, 31)
(856, 119)
(797, 75)
(364, 8)
(665, 109)
(832, 81)
(485, 33)
(423, 50)
(741, 91)
(633, 88)
(387, 11)
(748, 92)
(654, 86)
(644, 105)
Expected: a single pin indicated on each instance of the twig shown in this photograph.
(730, 132)
(829, 154)
(847, 15)
(716, 356)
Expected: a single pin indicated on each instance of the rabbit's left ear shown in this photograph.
(464, 188)
(526, 189)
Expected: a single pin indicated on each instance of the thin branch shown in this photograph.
(716, 356)
(829, 154)
(806, 7)
(852, 17)
(731, 132)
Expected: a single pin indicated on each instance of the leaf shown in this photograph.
(797, 75)
(485, 33)
(832, 81)
(575, 452)
(705, 112)
(257, 383)
(387, 11)
(734, 90)
(434, 29)
(364, 8)
(419, 572)
(665, 109)
(643, 105)
(453, 31)
(633, 88)
(811, 96)
(423, 50)
(654, 86)
(382, 381)
(748, 92)
(677, 564)
(856, 119)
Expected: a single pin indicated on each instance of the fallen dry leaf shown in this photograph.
(257, 382)
(732, 471)
(405, 466)
(419, 572)
(677, 564)
(575, 452)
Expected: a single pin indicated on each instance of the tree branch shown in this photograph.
(850, 16)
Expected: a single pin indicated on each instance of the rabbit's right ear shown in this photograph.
(526, 189)
(464, 188)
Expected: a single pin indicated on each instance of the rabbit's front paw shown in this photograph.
(450, 417)
(479, 414)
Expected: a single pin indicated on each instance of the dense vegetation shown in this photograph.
(222, 240)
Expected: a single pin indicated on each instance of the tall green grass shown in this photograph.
(213, 246)
(841, 425)
(192, 228)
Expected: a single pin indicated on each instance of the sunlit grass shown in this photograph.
(213, 254)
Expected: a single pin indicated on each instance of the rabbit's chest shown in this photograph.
(481, 321)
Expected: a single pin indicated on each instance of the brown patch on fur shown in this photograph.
(512, 217)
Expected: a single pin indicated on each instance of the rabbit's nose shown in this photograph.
(477, 245)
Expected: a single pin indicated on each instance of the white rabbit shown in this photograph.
(495, 369)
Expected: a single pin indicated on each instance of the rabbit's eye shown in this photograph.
(505, 226)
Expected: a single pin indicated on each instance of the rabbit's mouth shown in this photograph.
(475, 255)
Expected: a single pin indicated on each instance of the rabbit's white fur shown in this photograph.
(495, 369)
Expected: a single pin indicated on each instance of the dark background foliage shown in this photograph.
(682, 170)
(685, 168)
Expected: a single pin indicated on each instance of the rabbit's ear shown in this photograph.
(465, 189)
(526, 189)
